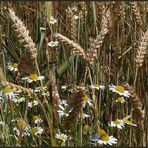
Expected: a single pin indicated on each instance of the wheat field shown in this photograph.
(74, 73)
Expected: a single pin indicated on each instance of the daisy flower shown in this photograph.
(61, 137)
(37, 120)
(18, 99)
(37, 130)
(103, 138)
(52, 20)
(13, 67)
(53, 44)
(120, 100)
(32, 103)
(96, 86)
(33, 77)
(86, 100)
(118, 123)
(119, 90)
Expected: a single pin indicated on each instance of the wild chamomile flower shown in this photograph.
(119, 90)
(118, 123)
(96, 86)
(37, 120)
(32, 103)
(18, 99)
(103, 138)
(13, 67)
(86, 100)
(61, 136)
(127, 121)
(64, 111)
(52, 20)
(37, 130)
(33, 77)
(53, 44)
(120, 100)
(8, 93)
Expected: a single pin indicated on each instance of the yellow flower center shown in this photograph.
(120, 99)
(35, 117)
(101, 132)
(119, 88)
(7, 90)
(116, 122)
(86, 127)
(33, 130)
(33, 77)
(105, 137)
(15, 65)
(85, 98)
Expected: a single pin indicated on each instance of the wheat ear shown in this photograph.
(22, 89)
(142, 49)
(23, 34)
(136, 12)
(74, 46)
(136, 103)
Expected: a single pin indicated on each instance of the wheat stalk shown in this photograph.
(23, 34)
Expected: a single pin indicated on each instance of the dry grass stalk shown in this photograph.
(142, 49)
(74, 46)
(23, 34)
(136, 12)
